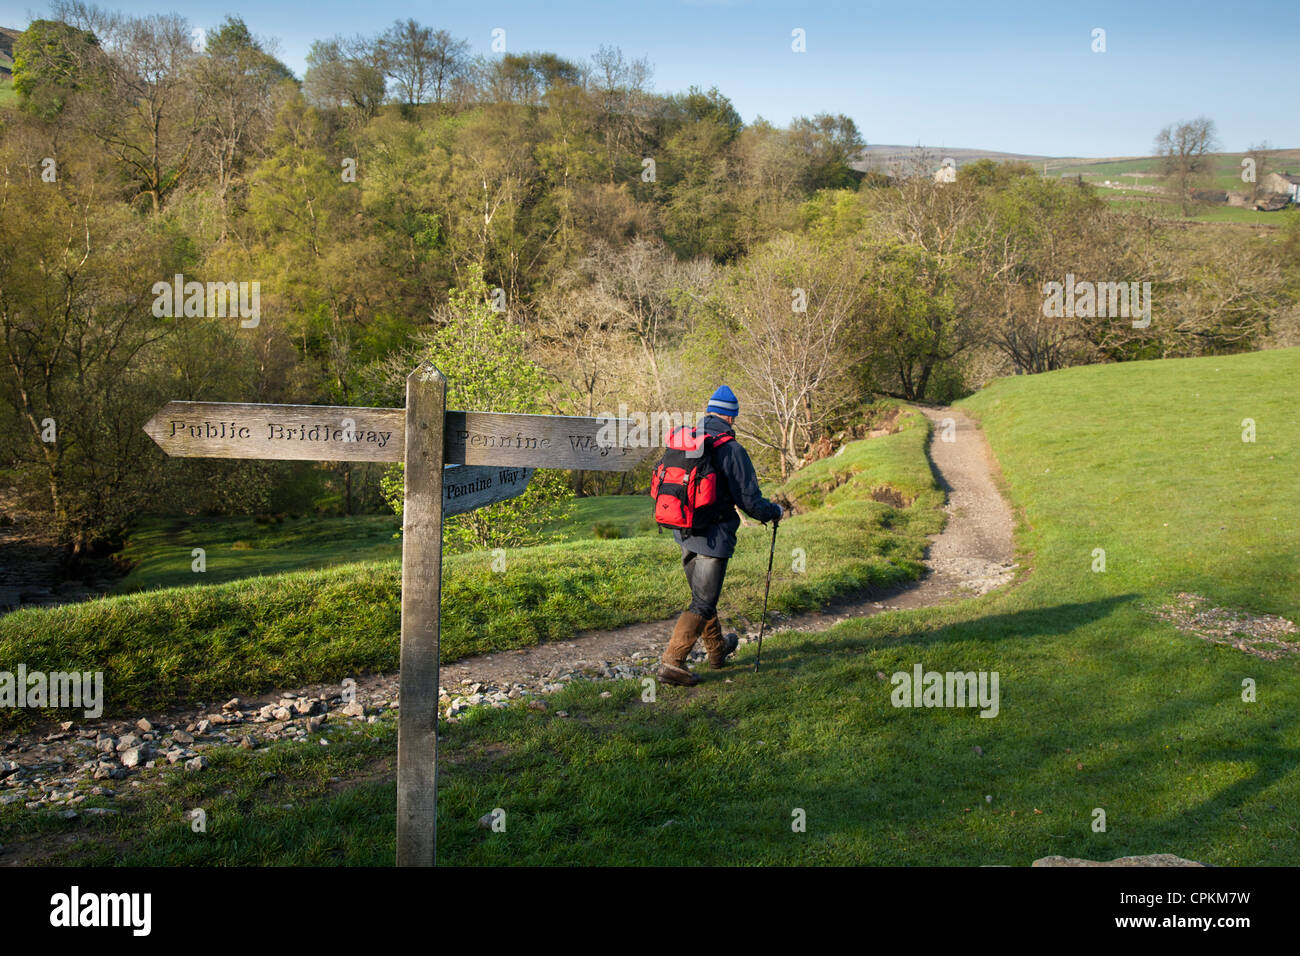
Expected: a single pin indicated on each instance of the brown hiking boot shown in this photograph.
(719, 648)
(677, 676)
(685, 634)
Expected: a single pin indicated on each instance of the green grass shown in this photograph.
(1146, 460)
(631, 515)
(1226, 168)
(1128, 200)
(160, 551)
(256, 633)
(7, 95)
(1102, 705)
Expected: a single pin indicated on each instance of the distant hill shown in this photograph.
(883, 159)
(1112, 170)
(7, 38)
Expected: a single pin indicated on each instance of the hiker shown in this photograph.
(710, 541)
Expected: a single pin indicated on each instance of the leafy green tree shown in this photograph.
(52, 61)
(910, 326)
(700, 215)
(526, 78)
(828, 144)
(714, 107)
(483, 354)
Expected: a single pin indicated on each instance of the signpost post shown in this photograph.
(455, 462)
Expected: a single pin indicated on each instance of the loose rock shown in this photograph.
(135, 756)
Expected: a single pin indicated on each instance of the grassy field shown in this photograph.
(1103, 706)
(161, 551)
(621, 516)
(200, 642)
(1226, 175)
(1130, 201)
(1226, 168)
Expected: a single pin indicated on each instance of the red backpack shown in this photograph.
(684, 484)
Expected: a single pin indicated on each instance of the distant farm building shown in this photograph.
(947, 173)
(1284, 183)
(1272, 202)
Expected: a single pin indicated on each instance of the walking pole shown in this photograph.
(771, 554)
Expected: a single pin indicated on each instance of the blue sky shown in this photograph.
(1018, 77)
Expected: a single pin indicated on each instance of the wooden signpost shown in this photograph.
(455, 462)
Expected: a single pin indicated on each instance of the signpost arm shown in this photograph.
(417, 728)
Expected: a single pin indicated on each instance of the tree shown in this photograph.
(714, 107)
(423, 62)
(53, 61)
(785, 308)
(492, 189)
(700, 215)
(1260, 157)
(241, 88)
(146, 113)
(80, 349)
(1218, 297)
(483, 354)
(620, 88)
(636, 290)
(935, 252)
(526, 78)
(769, 177)
(1049, 228)
(346, 74)
(593, 363)
(450, 64)
(1184, 150)
(828, 144)
(910, 328)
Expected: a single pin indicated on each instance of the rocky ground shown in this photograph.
(57, 768)
(1263, 635)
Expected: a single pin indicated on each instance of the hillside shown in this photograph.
(7, 38)
(1122, 688)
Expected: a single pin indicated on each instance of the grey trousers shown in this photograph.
(704, 574)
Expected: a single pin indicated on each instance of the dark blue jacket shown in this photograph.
(739, 488)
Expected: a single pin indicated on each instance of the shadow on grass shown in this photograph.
(794, 648)
(1126, 722)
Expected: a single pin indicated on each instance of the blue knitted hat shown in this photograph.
(723, 402)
